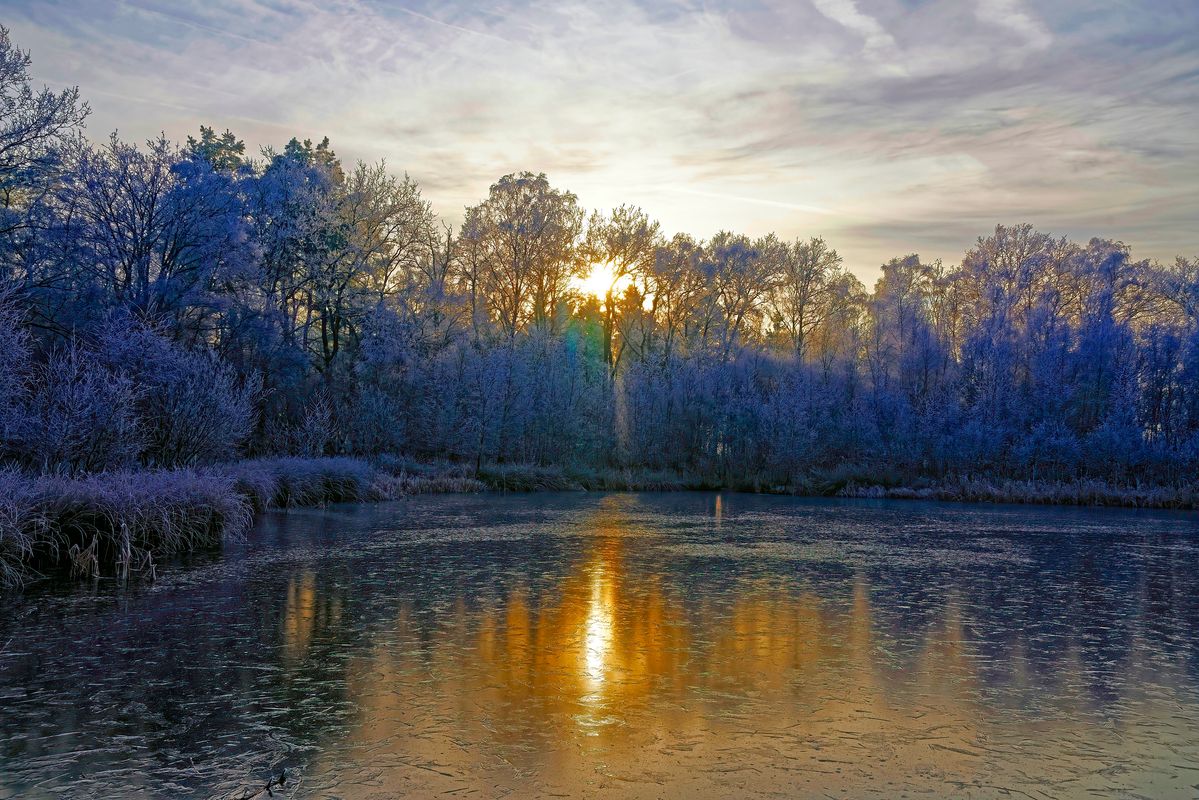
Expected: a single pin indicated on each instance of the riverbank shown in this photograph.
(121, 525)
(1059, 493)
(854, 482)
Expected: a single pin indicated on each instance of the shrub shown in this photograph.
(14, 372)
(80, 417)
(191, 407)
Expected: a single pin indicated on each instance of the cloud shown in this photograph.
(847, 13)
(916, 125)
(808, 209)
(1010, 14)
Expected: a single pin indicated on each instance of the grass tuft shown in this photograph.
(120, 524)
(527, 478)
(293, 481)
(114, 524)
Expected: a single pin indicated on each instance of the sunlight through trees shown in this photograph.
(169, 305)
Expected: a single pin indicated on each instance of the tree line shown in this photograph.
(173, 304)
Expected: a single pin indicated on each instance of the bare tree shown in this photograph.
(527, 234)
(627, 241)
(800, 299)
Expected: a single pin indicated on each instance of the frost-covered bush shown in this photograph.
(317, 429)
(1050, 451)
(79, 416)
(66, 414)
(376, 422)
(192, 408)
(14, 372)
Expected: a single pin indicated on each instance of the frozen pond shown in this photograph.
(626, 646)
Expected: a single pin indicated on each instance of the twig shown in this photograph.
(274, 782)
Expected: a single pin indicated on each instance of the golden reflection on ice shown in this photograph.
(598, 640)
(614, 684)
(306, 613)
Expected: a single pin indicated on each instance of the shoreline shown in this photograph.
(120, 524)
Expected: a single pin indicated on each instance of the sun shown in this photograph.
(599, 280)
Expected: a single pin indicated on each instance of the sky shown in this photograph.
(886, 126)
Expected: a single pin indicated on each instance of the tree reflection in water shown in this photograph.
(625, 678)
(631, 646)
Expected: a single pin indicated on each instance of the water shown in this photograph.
(626, 646)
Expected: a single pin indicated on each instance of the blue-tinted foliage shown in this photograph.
(174, 306)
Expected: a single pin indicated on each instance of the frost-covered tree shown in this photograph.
(527, 238)
(168, 305)
(35, 127)
(627, 242)
(143, 229)
(803, 296)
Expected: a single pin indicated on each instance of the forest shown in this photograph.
(170, 306)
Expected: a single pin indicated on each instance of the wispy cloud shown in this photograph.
(1011, 15)
(846, 13)
(725, 196)
(917, 125)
